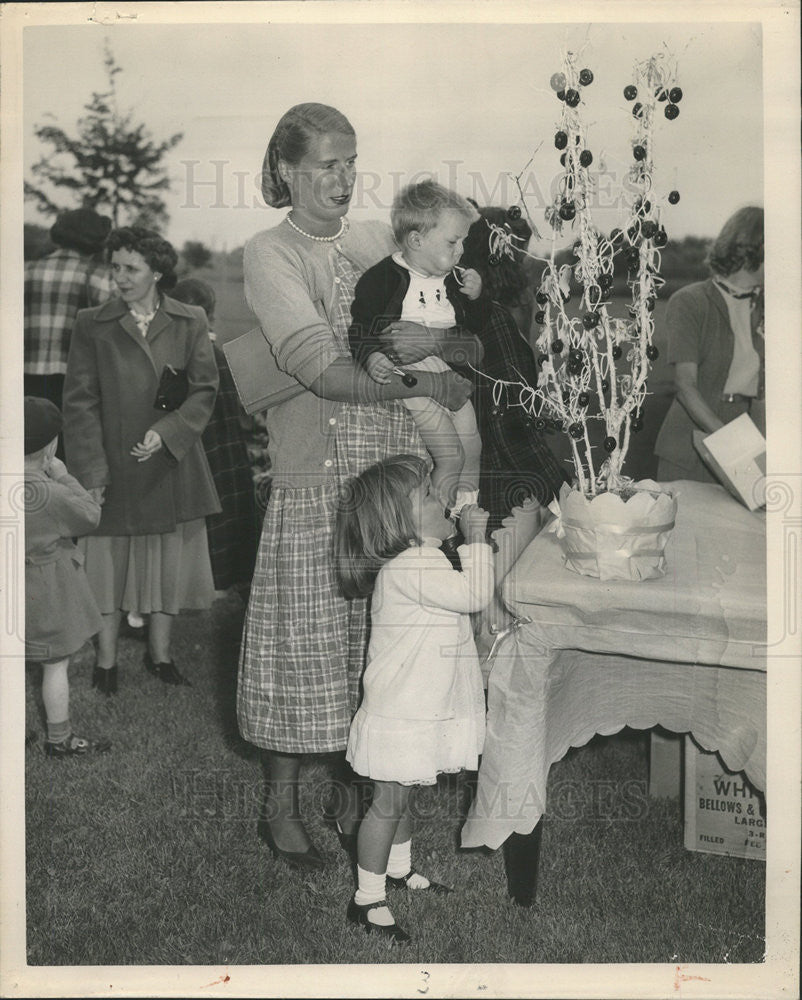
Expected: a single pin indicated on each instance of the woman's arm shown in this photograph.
(688, 395)
(412, 342)
(347, 382)
(181, 428)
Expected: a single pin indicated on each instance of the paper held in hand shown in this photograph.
(736, 455)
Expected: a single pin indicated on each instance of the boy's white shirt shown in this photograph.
(426, 301)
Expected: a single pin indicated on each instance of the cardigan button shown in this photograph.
(336, 281)
(332, 420)
(328, 463)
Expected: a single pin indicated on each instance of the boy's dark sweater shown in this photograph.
(379, 298)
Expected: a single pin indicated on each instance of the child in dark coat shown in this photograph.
(60, 611)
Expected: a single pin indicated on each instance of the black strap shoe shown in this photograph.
(356, 914)
(167, 672)
(402, 883)
(76, 746)
(105, 681)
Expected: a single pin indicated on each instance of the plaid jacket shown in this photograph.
(56, 287)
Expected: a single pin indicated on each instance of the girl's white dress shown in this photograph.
(423, 709)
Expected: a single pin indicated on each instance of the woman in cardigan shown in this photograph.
(715, 342)
(139, 455)
(303, 644)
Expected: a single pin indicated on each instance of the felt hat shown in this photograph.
(81, 229)
(42, 423)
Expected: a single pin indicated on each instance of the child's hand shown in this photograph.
(379, 367)
(471, 283)
(473, 523)
(56, 468)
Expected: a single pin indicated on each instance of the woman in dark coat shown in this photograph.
(143, 461)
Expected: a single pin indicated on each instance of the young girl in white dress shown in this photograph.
(423, 710)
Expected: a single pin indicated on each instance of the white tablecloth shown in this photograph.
(686, 652)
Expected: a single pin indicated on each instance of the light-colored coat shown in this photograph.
(113, 374)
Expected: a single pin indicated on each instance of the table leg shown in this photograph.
(521, 857)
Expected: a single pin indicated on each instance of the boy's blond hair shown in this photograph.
(418, 207)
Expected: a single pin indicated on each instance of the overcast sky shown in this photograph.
(470, 103)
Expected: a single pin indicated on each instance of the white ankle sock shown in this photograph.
(372, 890)
(399, 864)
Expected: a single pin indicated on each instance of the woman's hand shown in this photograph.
(473, 523)
(379, 367)
(450, 389)
(149, 445)
(407, 342)
(471, 283)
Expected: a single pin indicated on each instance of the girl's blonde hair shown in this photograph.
(374, 521)
(419, 206)
(290, 142)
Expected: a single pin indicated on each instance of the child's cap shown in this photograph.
(42, 423)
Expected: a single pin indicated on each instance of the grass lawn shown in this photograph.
(149, 855)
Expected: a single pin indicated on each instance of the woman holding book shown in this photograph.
(303, 644)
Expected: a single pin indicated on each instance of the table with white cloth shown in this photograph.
(686, 652)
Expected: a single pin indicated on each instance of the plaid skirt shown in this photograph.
(303, 645)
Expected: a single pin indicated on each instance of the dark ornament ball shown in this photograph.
(541, 358)
(649, 229)
(610, 444)
(575, 430)
(540, 317)
(639, 152)
(586, 157)
(605, 281)
(671, 112)
(673, 197)
(514, 212)
(567, 211)
(636, 424)
(562, 159)
(540, 424)
(561, 140)
(652, 353)
(650, 303)
(541, 298)
(662, 94)
(557, 81)
(590, 320)
(605, 385)
(616, 236)
(616, 352)
(637, 110)
(494, 260)
(572, 97)
(560, 95)
(630, 92)
(583, 398)
(675, 95)
(557, 345)
(660, 238)
(585, 77)
(633, 258)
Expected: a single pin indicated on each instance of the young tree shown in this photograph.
(112, 164)
(196, 254)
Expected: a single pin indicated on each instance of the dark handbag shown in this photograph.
(173, 388)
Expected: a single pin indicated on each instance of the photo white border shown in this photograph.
(778, 976)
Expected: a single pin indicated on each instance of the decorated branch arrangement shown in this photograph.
(593, 366)
(594, 357)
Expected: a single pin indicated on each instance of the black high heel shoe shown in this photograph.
(347, 840)
(356, 914)
(167, 672)
(402, 883)
(310, 860)
(105, 681)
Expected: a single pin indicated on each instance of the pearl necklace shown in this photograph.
(344, 224)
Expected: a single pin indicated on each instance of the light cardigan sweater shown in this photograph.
(292, 286)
